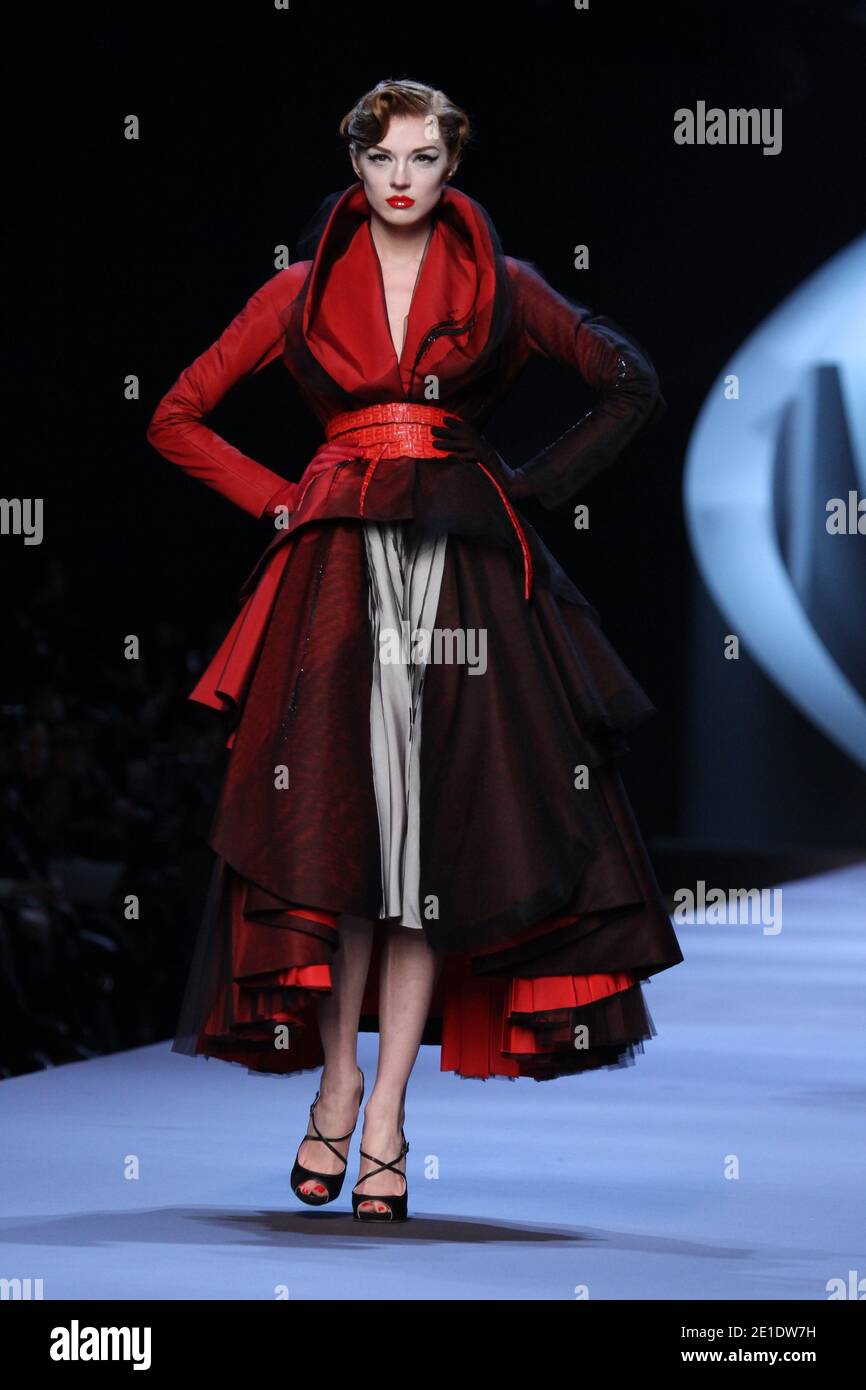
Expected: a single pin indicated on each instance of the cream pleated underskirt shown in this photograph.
(404, 583)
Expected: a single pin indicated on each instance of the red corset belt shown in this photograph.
(401, 429)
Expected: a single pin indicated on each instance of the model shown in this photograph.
(422, 830)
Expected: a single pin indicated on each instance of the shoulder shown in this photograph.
(529, 284)
(516, 269)
(536, 298)
(280, 289)
(523, 272)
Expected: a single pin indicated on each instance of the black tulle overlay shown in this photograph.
(537, 893)
(546, 913)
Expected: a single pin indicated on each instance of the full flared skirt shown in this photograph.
(536, 890)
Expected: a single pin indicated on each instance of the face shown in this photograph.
(404, 176)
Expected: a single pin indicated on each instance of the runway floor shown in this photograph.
(614, 1185)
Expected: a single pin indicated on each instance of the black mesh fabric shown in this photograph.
(544, 888)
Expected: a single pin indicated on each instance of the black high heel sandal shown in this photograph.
(398, 1207)
(332, 1181)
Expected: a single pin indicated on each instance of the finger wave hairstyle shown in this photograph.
(367, 122)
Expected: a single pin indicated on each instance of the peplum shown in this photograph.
(516, 849)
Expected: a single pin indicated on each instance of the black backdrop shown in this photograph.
(130, 257)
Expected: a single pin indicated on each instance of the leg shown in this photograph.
(409, 970)
(338, 1016)
(404, 593)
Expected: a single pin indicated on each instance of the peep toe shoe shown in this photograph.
(332, 1182)
(397, 1207)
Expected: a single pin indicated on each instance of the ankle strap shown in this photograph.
(382, 1166)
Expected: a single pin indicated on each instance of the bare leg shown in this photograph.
(338, 1014)
(408, 973)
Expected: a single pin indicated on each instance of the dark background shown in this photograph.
(130, 257)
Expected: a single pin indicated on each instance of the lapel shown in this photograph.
(345, 321)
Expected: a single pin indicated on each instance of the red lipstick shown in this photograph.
(400, 200)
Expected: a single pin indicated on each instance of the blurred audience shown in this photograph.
(108, 781)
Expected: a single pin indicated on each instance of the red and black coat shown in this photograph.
(538, 889)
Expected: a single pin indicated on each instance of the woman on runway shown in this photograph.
(422, 830)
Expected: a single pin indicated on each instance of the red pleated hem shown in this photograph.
(487, 1025)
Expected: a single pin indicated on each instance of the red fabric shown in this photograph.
(374, 433)
(345, 321)
(457, 278)
(486, 1026)
(293, 670)
(402, 430)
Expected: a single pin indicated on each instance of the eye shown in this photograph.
(377, 157)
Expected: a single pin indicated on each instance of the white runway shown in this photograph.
(614, 1181)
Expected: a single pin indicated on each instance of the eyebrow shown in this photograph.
(385, 150)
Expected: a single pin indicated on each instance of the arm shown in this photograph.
(609, 361)
(252, 340)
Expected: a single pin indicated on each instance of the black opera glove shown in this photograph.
(461, 440)
(630, 403)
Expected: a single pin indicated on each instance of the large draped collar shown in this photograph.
(460, 306)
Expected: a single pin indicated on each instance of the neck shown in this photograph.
(399, 245)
